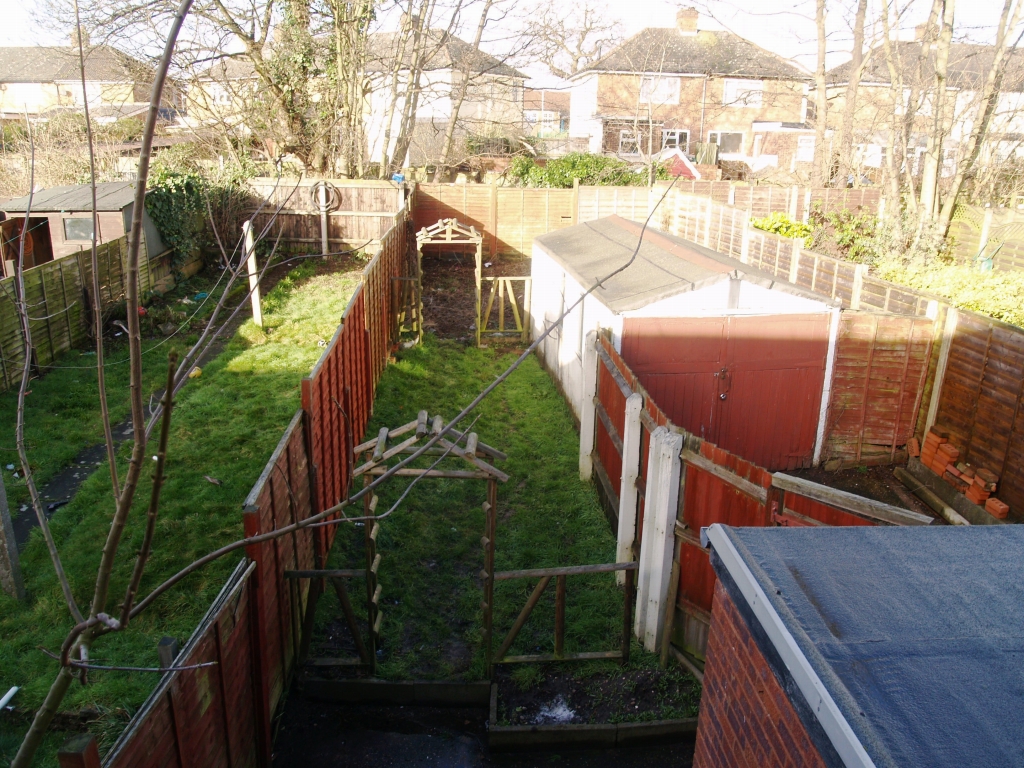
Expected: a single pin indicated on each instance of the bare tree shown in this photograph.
(569, 38)
(820, 171)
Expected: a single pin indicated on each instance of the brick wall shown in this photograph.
(746, 718)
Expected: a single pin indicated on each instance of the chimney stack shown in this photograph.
(74, 39)
(686, 21)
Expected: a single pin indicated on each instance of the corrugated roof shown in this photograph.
(708, 52)
(916, 633)
(110, 196)
(49, 64)
(665, 266)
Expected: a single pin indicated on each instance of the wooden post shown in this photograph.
(858, 285)
(745, 238)
(986, 228)
(948, 332)
(631, 440)
(167, 651)
(79, 751)
(493, 223)
(10, 565)
(254, 280)
(560, 615)
(628, 599)
(588, 410)
(794, 262)
(670, 615)
(659, 533)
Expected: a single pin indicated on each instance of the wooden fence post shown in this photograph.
(948, 332)
(658, 539)
(79, 751)
(10, 565)
(588, 409)
(631, 438)
(858, 285)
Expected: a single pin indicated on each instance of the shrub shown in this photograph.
(590, 169)
(780, 224)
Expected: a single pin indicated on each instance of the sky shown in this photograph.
(781, 26)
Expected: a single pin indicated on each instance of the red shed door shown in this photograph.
(751, 385)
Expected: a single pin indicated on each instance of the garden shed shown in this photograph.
(730, 353)
(61, 221)
(864, 646)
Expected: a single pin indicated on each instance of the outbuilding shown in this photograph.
(60, 222)
(864, 647)
(730, 353)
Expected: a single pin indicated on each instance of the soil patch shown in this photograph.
(559, 696)
(449, 291)
(878, 483)
(331, 735)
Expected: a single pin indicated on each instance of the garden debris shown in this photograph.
(168, 328)
(195, 373)
(213, 480)
(976, 483)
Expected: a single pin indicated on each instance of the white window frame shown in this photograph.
(805, 153)
(743, 93)
(659, 89)
(676, 133)
(635, 139)
(715, 137)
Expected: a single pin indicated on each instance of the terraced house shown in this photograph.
(684, 87)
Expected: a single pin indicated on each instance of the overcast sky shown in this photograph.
(783, 26)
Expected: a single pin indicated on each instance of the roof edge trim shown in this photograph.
(813, 689)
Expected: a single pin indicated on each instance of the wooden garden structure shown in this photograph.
(452, 233)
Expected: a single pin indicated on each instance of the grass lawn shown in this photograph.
(430, 547)
(225, 425)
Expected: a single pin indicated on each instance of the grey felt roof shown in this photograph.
(666, 265)
(917, 633)
(968, 66)
(709, 52)
(49, 64)
(110, 196)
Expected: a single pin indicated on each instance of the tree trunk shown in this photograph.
(850, 103)
(820, 171)
(933, 154)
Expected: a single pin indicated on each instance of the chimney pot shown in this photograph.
(686, 20)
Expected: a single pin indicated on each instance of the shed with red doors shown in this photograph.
(730, 353)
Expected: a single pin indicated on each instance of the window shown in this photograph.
(805, 149)
(655, 89)
(675, 138)
(628, 142)
(728, 143)
(743, 93)
(78, 229)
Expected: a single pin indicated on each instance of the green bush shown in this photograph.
(176, 204)
(847, 235)
(780, 224)
(590, 169)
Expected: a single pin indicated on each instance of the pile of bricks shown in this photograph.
(976, 483)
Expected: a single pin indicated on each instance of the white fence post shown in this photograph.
(588, 410)
(745, 238)
(858, 285)
(660, 509)
(254, 277)
(321, 197)
(948, 332)
(631, 439)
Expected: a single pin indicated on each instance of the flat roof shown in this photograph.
(665, 266)
(110, 196)
(914, 635)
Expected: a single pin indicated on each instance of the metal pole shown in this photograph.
(321, 195)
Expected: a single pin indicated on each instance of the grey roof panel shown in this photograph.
(48, 64)
(705, 53)
(917, 633)
(665, 265)
(110, 196)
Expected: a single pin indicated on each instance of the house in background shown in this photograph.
(686, 86)
(546, 112)
(45, 81)
(490, 119)
(968, 67)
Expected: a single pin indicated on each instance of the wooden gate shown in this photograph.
(750, 384)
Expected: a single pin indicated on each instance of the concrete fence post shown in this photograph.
(948, 332)
(658, 541)
(745, 238)
(631, 438)
(794, 262)
(588, 410)
(986, 229)
(858, 285)
(254, 275)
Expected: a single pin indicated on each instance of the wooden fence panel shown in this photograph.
(878, 379)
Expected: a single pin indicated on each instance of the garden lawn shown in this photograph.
(430, 546)
(225, 426)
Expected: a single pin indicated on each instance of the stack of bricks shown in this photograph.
(976, 483)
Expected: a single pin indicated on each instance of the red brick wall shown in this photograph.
(746, 719)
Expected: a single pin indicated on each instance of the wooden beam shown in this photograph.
(345, 573)
(565, 570)
(739, 483)
(613, 433)
(588, 656)
(613, 369)
(455, 474)
(849, 502)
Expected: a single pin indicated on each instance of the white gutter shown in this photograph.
(826, 387)
(8, 696)
(824, 707)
